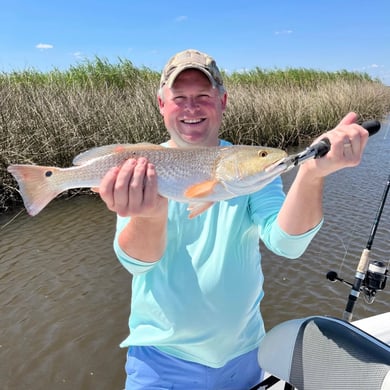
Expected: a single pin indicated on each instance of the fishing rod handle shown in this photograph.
(355, 290)
(322, 147)
(372, 126)
(363, 262)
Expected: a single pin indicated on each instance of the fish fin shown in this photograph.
(97, 152)
(198, 208)
(200, 190)
(149, 145)
(34, 185)
(101, 151)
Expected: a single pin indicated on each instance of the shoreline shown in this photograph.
(47, 119)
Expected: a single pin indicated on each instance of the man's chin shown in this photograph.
(191, 140)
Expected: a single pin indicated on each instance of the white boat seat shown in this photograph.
(325, 353)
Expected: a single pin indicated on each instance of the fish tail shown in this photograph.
(35, 186)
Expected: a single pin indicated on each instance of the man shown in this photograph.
(197, 284)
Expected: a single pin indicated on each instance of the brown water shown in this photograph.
(64, 298)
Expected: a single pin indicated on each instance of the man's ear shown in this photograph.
(223, 101)
(160, 104)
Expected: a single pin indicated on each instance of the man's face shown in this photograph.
(192, 110)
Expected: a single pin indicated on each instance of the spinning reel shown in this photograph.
(374, 280)
(370, 276)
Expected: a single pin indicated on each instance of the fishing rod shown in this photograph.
(318, 150)
(370, 276)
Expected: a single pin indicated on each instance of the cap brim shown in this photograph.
(180, 69)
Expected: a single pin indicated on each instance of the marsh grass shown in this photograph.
(48, 118)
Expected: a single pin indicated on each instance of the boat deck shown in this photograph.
(378, 326)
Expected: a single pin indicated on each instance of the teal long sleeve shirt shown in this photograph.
(200, 301)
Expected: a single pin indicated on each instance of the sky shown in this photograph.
(328, 35)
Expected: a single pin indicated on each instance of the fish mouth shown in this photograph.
(274, 164)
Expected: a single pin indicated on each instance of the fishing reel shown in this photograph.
(370, 276)
(375, 280)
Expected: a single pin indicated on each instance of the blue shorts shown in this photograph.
(149, 368)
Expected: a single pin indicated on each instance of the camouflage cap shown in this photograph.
(190, 59)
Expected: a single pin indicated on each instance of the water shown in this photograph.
(64, 298)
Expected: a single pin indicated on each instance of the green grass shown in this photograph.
(48, 118)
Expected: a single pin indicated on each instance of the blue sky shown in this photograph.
(325, 35)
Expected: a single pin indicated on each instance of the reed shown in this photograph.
(48, 118)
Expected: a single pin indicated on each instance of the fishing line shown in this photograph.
(385, 129)
(346, 249)
(370, 275)
(11, 220)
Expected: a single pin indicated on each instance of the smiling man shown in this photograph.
(197, 283)
(192, 101)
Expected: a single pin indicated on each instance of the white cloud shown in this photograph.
(283, 32)
(78, 55)
(370, 67)
(180, 19)
(44, 46)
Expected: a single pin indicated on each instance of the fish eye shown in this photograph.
(48, 173)
(263, 153)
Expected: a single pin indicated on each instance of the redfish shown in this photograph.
(199, 176)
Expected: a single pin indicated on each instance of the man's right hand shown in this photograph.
(131, 190)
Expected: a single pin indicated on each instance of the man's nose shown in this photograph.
(191, 104)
